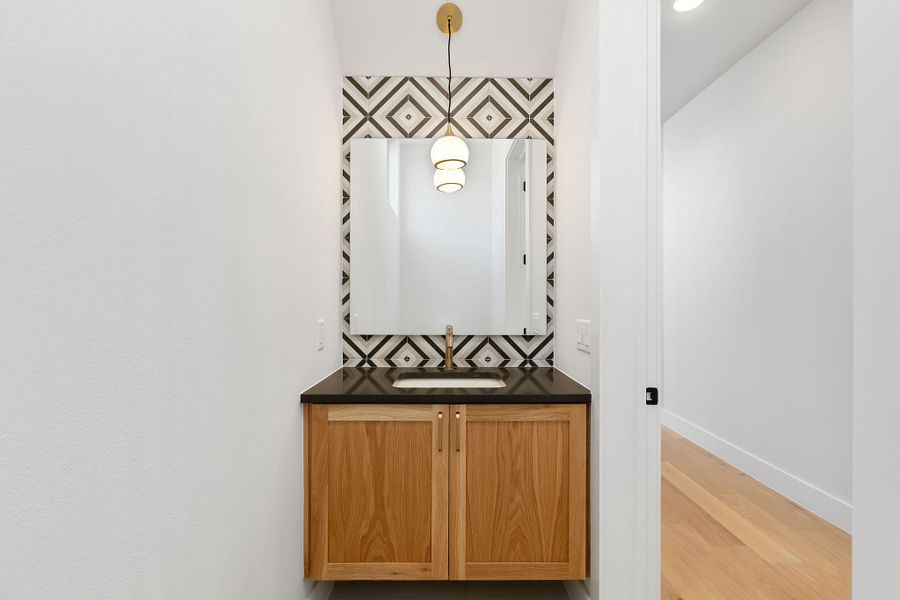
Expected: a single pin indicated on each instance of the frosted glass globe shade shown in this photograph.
(449, 181)
(449, 152)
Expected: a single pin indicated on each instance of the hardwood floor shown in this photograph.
(725, 536)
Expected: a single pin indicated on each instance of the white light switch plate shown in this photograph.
(583, 335)
(320, 334)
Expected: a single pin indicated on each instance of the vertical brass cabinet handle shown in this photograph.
(457, 431)
(440, 431)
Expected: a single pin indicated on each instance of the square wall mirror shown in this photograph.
(423, 259)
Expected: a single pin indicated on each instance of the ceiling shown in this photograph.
(520, 38)
(698, 46)
(499, 38)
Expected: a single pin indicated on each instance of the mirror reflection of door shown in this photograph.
(517, 268)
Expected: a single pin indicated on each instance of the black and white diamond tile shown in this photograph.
(416, 107)
(489, 117)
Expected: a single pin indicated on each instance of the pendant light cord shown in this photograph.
(449, 70)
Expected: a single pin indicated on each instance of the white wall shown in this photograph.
(399, 36)
(169, 193)
(757, 285)
(575, 99)
(876, 297)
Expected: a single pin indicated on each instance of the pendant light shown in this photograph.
(449, 152)
(449, 180)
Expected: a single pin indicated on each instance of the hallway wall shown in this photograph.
(757, 251)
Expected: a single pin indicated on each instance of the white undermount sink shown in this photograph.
(449, 381)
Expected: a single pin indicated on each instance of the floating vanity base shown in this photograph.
(459, 490)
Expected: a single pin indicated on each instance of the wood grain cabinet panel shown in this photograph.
(436, 491)
(377, 492)
(518, 497)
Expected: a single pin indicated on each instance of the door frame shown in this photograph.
(626, 302)
(517, 284)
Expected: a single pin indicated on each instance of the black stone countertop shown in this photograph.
(361, 385)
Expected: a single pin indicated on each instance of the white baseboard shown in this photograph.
(321, 590)
(817, 501)
(577, 590)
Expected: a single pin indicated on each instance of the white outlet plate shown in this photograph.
(535, 323)
(320, 334)
(583, 335)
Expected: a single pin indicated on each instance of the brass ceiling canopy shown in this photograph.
(449, 11)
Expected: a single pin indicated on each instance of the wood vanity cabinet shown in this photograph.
(416, 491)
(376, 491)
(518, 498)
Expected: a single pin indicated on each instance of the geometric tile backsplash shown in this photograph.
(415, 107)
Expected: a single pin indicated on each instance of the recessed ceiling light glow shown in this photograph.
(686, 5)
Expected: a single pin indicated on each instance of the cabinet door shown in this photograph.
(377, 491)
(518, 497)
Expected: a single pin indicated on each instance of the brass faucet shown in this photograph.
(448, 354)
